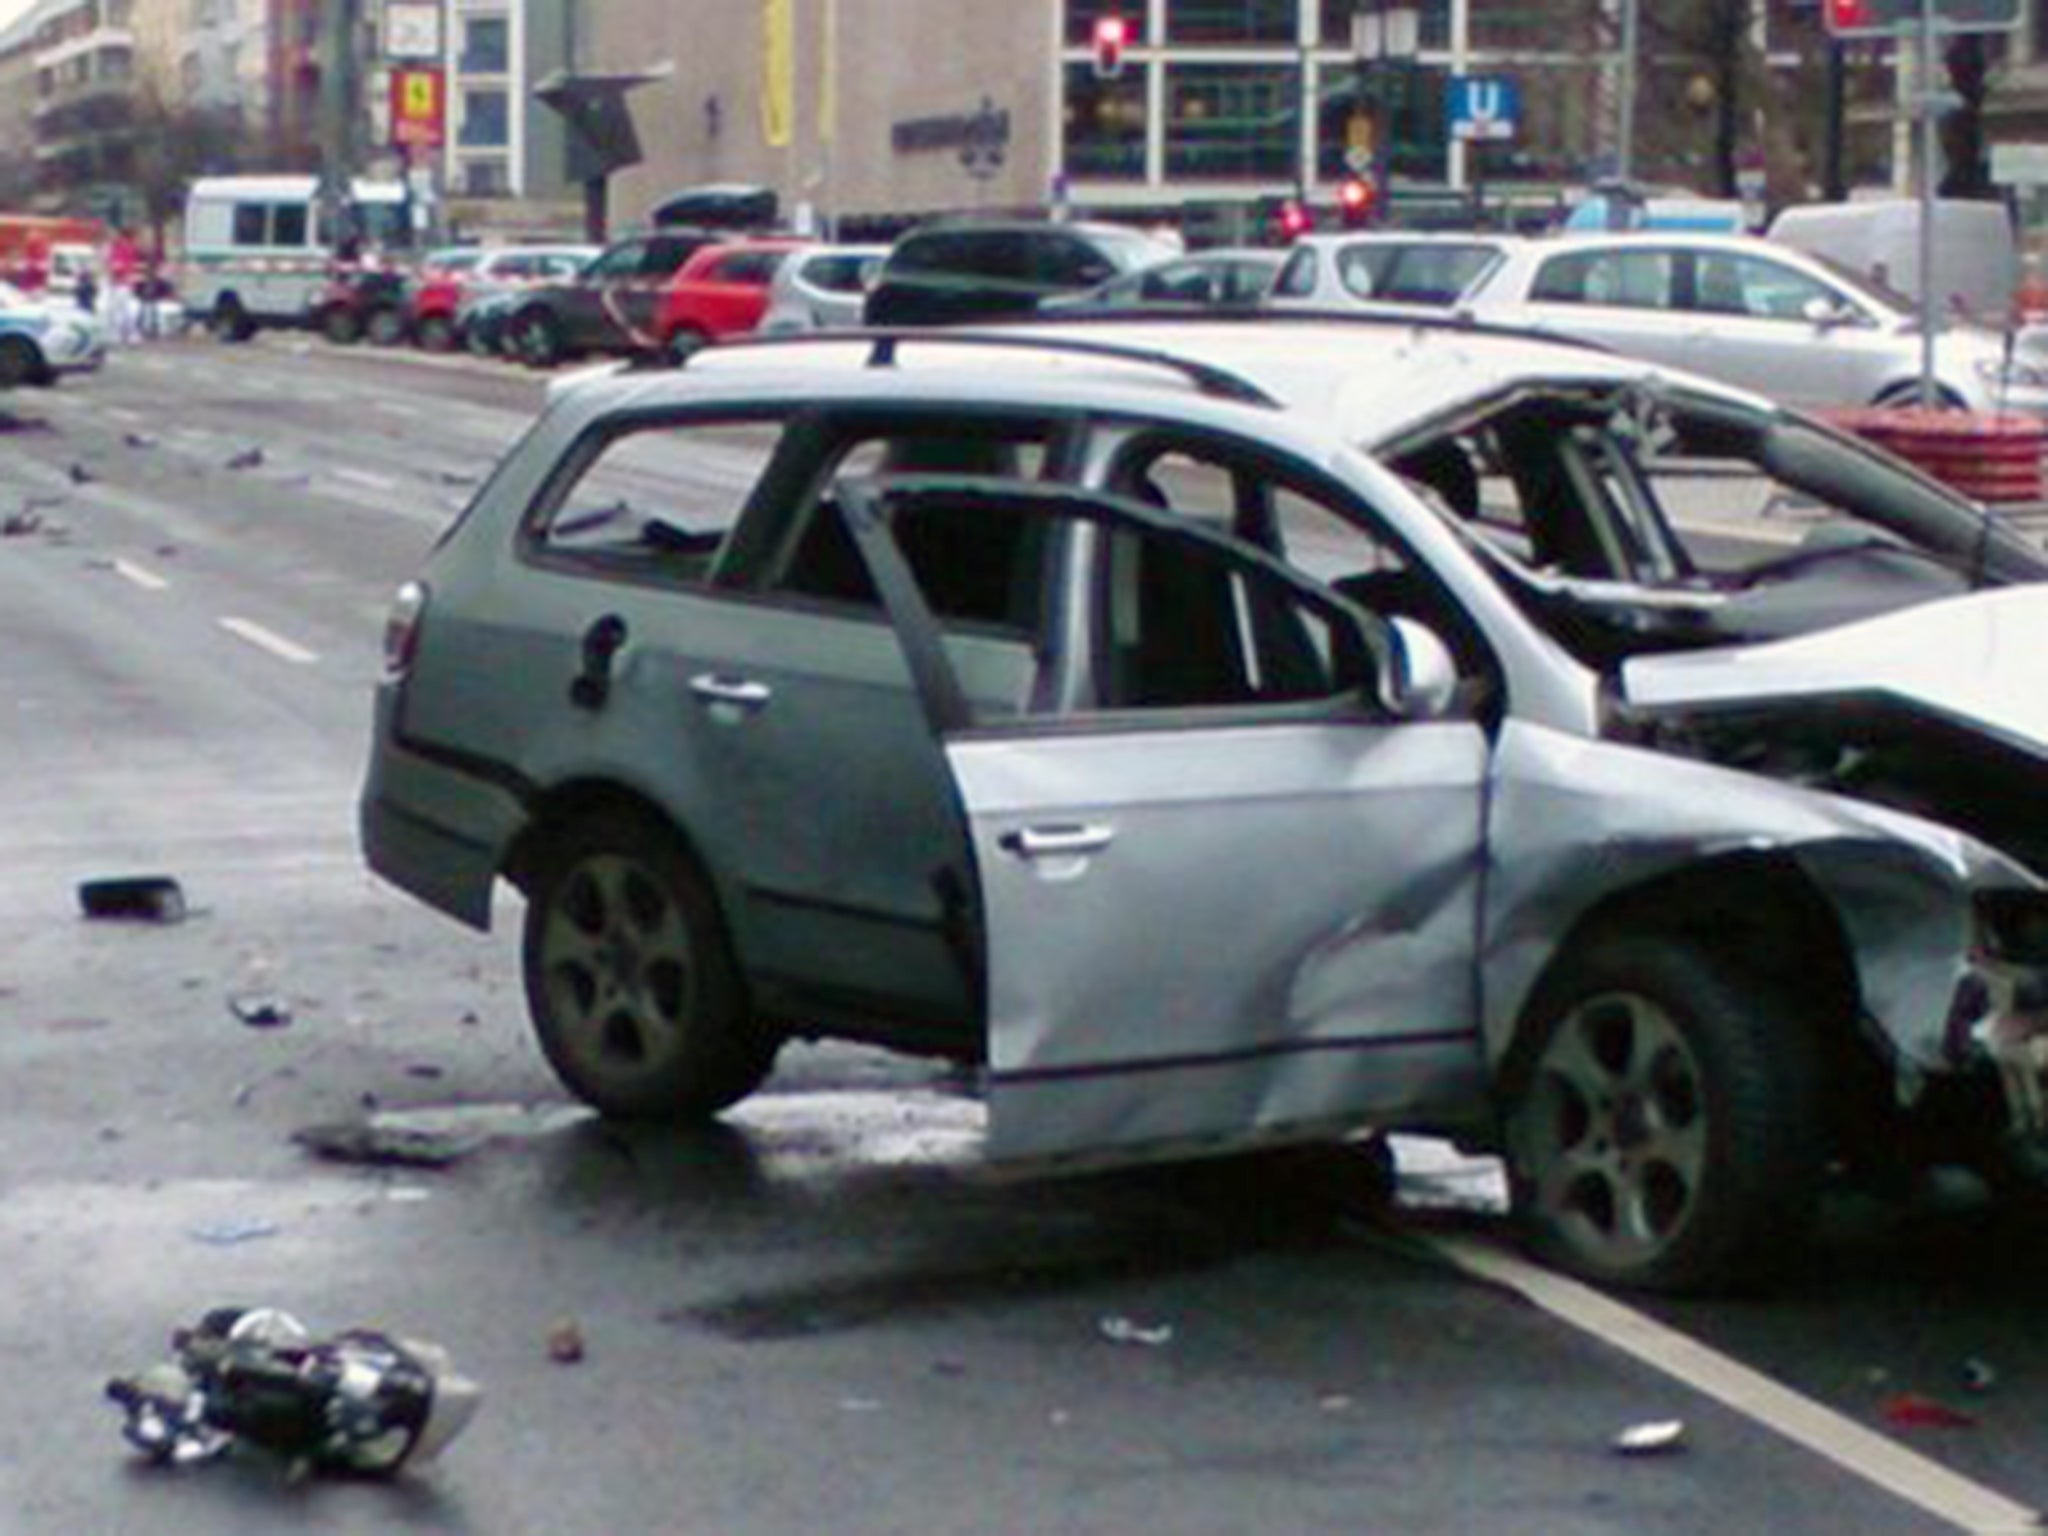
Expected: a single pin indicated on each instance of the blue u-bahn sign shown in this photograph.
(1484, 106)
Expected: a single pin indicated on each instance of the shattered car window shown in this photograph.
(658, 497)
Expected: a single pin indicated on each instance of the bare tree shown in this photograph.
(176, 140)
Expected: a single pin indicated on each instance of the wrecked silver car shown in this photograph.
(1128, 713)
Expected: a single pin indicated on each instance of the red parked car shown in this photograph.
(720, 291)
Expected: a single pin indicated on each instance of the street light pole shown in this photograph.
(1625, 108)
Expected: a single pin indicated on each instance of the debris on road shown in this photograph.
(227, 1234)
(260, 1011)
(80, 475)
(565, 1342)
(361, 1402)
(138, 439)
(18, 525)
(248, 458)
(1978, 1375)
(1653, 1437)
(1124, 1330)
(380, 1142)
(134, 898)
(1910, 1410)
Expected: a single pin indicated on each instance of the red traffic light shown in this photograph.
(1112, 32)
(1355, 199)
(1848, 15)
(1295, 219)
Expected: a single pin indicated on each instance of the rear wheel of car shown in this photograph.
(1667, 1131)
(385, 327)
(630, 980)
(229, 321)
(436, 333)
(19, 362)
(341, 326)
(683, 344)
(536, 338)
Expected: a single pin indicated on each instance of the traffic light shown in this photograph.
(1847, 16)
(1356, 198)
(1111, 33)
(1295, 219)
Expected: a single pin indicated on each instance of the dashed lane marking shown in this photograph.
(1949, 1496)
(269, 640)
(142, 576)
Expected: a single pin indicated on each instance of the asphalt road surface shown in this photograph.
(819, 1315)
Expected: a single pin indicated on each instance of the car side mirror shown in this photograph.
(1824, 313)
(1423, 684)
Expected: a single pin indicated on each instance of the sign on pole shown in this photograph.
(1484, 106)
(412, 29)
(419, 108)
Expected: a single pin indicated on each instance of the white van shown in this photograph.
(1975, 259)
(257, 247)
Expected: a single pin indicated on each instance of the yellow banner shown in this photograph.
(778, 72)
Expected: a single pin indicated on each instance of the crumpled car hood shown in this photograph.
(1975, 659)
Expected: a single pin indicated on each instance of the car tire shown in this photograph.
(436, 333)
(1902, 396)
(630, 981)
(535, 338)
(385, 327)
(20, 363)
(229, 321)
(340, 325)
(684, 344)
(1664, 1129)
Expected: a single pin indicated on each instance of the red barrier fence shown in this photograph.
(1986, 456)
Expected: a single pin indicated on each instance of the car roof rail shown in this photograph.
(1210, 379)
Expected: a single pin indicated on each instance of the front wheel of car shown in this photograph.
(230, 322)
(1665, 1131)
(536, 339)
(341, 326)
(385, 327)
(630, 980)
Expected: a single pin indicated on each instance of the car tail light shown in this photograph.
(402, 628)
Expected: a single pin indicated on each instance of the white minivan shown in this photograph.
(257, 247)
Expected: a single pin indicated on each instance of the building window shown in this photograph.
(1232, 22)
(1432, 21)
(485, 178)
(486, 45)
(1105, 125)
(486, 123)
(1407, 101)
(1232, 120)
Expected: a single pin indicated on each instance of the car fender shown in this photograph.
(1576, 826)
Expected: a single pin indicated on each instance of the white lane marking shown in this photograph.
(364, 477)
(268, 640)
(142, 576)
(1964, 1504)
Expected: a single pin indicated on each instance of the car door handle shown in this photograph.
(742, 691)
(1052, 842)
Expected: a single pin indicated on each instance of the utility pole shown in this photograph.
(339, 25)
(1625, 108)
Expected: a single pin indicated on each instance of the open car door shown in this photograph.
(1224, 895)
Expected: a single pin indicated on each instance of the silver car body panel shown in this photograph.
(1197, 935)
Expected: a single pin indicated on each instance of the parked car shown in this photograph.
(362, 301)
(1371, 269)
(611, 305)
(1225, 277)
(720, 291)
(821, 288)
(1756, 314)
(987, 269)
(1125, 709)
(444, 295)
(43, 339)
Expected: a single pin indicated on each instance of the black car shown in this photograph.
(983, 271)
(610, 306)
